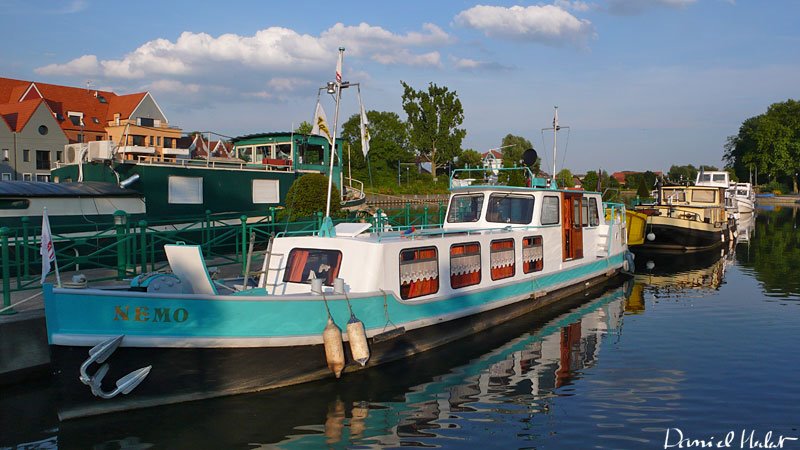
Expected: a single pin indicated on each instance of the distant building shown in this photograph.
(620, 176)
(492, 159)
(134, 122)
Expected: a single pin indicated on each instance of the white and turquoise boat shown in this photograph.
(502, 252)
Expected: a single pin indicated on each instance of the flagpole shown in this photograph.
(335, 124)
(58, 275)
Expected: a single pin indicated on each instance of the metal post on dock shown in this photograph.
(120, 223)
(441, 213)
(243, 218)
(407, 213)
(6, 273)
(425, 216)
(143, 245)
(24, 247)
(207, 234)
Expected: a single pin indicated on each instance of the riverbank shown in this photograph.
(779, 200)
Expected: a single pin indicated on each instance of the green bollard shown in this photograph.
(407, 213)
(6, 273)
(120, 222)
(143, 244)
(425, 216)
(379, 220)
(272, 219)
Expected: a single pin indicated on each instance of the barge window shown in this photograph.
(303, 262)
(673, 195)
(594, 216)
(419, 272)
(502, 259)
(465, 208)
(550, 210)
(703, 195)
(508, 208)
(11, 203)
(532, 255)
(465, 264)
(185, 190)
(266, 191)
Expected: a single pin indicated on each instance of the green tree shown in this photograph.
(433, 119)
(512, 148)
(564, 178)
(589, 182)
(308, 194)
(682, 174)
(642, 191)
(304, 128)
(470, 158)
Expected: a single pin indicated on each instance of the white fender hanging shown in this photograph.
(357, 338)
(334, 349)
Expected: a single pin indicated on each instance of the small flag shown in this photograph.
(339, 68)
(365, 137)
(320, 124)
(47, 250)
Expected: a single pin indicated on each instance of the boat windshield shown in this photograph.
(465, 208)
(507, 208)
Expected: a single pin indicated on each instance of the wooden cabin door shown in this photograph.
(572, 231)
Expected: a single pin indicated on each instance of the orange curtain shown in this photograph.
(297, 262)
(419, 288)
(334, 272)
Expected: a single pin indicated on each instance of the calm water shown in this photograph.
(701, 345)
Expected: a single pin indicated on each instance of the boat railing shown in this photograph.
(211, 164)
(490, 176)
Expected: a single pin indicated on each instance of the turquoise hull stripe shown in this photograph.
(187, 318)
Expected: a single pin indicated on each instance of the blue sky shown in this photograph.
(642, 84)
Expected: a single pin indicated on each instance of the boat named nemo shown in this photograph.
(172, 337)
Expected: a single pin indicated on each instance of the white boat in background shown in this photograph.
(739, 197)
(744, 197)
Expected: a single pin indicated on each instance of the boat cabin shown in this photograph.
(715, 179)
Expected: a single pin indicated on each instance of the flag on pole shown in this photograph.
(364, 131)
(47, 250)
(339, 68)
(320, 126)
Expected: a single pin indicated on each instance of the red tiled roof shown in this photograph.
(62, 99)
(17, 115)
(495, 153)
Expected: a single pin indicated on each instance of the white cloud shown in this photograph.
(472, 64)
(287, 84)
(405, 57)
(630, 7)
(573, 5)
(85, 65)
(547, 24)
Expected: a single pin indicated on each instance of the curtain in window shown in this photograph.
(502, 259)
(419, 272)
(296, 265)
(465, 265)
(532, 260)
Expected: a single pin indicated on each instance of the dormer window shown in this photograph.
(75, 117)
(95, 120)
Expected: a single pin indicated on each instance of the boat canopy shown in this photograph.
(85, 189)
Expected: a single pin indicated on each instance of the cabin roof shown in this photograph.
(88, 188)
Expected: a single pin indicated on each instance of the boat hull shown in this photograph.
(683, 236)
(191, 373)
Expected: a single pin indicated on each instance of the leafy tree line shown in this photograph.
(768, 143)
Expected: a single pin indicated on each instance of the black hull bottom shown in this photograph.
(187, 374)
(680, 240)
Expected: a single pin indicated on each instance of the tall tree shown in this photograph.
(512, 148)
(564, 178)
(304, 128)
(389, 140)
(433, 119)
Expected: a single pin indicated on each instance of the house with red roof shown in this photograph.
(134, 122)
(493, 159)
(31, 140)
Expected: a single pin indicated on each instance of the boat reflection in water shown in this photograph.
(516, 369)
(680, 275)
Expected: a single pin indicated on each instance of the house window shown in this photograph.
(419, 272)
(42, 177)
(304, 264)
(80, 137)
(465, 264)
(502, 259)
(146, 122)
(532, 255)
(75, 118)
(185, 190)
(26, 156)
(27, 177)
(59, 155)
(168, 142)
(158, 140)
(151, 141)
(550, 210)
(43, 129)
(138, 140)
(42, 159)
(266, 191)
(6, 176)
(5, 154)
(465, 208)
(507, 208)
(98, 137)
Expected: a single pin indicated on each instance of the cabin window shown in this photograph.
(502, 259)
(304, 264)
(550, 210)
(532, 255)
(673, 195)
(509, 208)
(419, 272)
(465, 264)
(703, 195)
(465, 208)
(266, 191)
(719, 177)
(263, 151)
(594, 215)
(185, 190)
(312, 154)
(13, 203)
(584, 211)
(283, 151)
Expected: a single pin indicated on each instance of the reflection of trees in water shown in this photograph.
(774, 252)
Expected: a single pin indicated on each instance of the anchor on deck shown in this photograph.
(99, 354)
